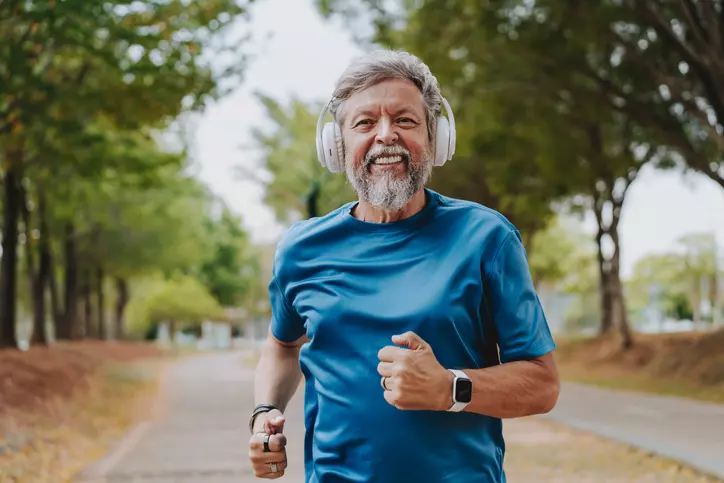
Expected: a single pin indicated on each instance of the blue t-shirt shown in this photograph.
(456, 273)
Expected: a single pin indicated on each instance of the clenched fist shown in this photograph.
(412, 376)
(267, 446)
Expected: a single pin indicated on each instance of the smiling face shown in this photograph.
(388, 154)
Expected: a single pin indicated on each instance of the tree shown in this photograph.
(681, 282)
(561, 249)
(668, 74)
(182, 301)
(124, 65)
(230, 269)
(289, 154)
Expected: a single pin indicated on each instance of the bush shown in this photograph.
(185, 301)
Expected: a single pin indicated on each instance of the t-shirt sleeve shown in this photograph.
(514, 306)
(286, 324)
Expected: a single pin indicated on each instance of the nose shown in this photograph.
(386, 133)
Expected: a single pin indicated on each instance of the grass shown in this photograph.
(608, 379)
(683, 365)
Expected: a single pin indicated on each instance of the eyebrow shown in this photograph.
(372, 112)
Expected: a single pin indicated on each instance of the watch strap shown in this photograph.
(459, 373)
(457, 406)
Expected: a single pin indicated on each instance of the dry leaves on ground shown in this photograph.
(543, 452)
(64, 407)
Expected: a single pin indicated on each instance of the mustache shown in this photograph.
(380, 151)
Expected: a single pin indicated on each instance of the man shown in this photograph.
(411, 315)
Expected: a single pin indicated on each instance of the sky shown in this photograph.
(297, 53)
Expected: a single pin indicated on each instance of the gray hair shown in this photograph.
(381, 65)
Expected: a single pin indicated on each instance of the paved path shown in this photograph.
(203, 433)
(688, 431)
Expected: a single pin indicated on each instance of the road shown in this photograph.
(689, 431)
(203, 433)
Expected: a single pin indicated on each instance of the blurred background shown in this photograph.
(153, 152)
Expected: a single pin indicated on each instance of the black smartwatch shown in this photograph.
(261, 408)
(462, 390)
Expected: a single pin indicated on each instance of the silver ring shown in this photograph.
(266, 443)
(274, 468)
(382, 383)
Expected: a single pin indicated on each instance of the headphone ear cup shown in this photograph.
(339, 144)
(442, 141)
(329, 144)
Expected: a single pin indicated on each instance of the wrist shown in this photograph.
(259, 415)
(444, 391)
(259, 423)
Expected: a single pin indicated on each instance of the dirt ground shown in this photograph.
(543, 452)
(30, 380)
(60, 407)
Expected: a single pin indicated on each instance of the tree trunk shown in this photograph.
(55, 308)
(607, 322)
(91, 331)
(621, 311)
(32, 273)
(121, 302)
(68, 328)
(44, 266)
(8, 265)
(100, 305)
(614, 314)
(40, 278)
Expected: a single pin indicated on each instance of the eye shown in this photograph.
(406, 120)
(364, 122)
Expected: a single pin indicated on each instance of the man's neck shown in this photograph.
(373, 214)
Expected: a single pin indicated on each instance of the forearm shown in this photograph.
(514, 390)
(277, 374)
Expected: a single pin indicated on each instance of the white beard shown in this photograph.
(388, 191)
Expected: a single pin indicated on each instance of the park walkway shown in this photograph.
(689, 431)
(202, 434)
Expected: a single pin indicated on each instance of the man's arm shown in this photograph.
(414, 379)
(276, 380)
(512, 390)
(278, 373)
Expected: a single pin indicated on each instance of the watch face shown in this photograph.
(464, 390)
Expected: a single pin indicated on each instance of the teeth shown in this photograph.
(388, 160)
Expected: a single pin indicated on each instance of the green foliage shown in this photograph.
(564, 258)
(673, 281)
(231, 267)
(183, 300)
(679, 306)
(290, 155)
(562, 254)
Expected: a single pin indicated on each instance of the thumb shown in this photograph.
(274, 422)
(410, 340)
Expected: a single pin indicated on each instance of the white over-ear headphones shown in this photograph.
(330, 149)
